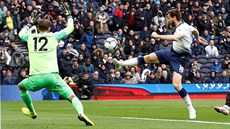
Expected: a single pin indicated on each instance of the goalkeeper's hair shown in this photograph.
(44, 25)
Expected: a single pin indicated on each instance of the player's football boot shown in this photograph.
(27, 112)
(192, 113)
(117, 63)
(222, 109)
(86, 120)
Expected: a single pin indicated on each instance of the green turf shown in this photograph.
(158, 114)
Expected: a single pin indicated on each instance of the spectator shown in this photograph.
(129, 79)
(9, 79)
(164, 78)
(117, 78)
(153, 46)
(81, 59)
(17, 61)
(118, 16)
(206, 35)
(228, 70)
(140, 19)
(72, 51)
(96, 78)
(225, 62)
(6, 34)
(88, 67)
(22, 74)
(224, 78)
(159, 18)
(144, 75)
(85, 87)
(211, 50)
(213, 78)
(197, 49)
(74, 70)
(145, 33)
(3, 74)
(192, 74)
(198, 78)
(102, 18)
(165, 45)
(103, 71)
(152, 79)
(134, 73)
(5, 58)
(131, 17)
(118, 54)
(196, 65)
(87, 37)
(93, 4)
(148, 14)
(216, 66)
(84, 51)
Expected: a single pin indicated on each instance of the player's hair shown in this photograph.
(44, 25)
(174, 13)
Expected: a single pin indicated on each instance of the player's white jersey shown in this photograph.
(183, 44)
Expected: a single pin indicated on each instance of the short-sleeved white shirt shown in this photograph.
(183, 45)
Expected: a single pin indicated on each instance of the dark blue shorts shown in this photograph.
(177, 63)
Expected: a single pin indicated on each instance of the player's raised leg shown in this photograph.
(29, 109)
(150, 58)
(184, 94)
(224, 109)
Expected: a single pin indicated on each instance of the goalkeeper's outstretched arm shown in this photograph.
(23, 32)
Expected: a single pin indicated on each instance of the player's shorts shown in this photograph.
(51, 81)
(177, 63)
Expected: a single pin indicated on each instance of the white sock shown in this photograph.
(129, 62)
(226, 106)
(188, 101)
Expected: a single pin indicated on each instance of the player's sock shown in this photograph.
(184, 95)
(134, 61)
(228, 99)
(27, 100)
(77, 105)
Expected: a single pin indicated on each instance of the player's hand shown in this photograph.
(202, 40)
(155, 35)
(65, 10)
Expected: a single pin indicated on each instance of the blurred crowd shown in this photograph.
(84, 62)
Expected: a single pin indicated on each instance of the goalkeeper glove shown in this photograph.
(65, 10)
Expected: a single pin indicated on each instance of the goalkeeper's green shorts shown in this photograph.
(51, 81)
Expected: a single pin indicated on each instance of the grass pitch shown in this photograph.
(154, 114)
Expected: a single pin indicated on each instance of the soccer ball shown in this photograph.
(111, 44)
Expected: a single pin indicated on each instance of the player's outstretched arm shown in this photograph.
(173, 37)
(23, 33)
(70, 25)
(195, 32)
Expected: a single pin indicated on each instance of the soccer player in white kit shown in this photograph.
(177, 56)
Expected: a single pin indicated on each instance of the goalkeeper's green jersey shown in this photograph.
(42, 48)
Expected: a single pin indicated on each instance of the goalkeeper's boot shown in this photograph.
(27, 112)
(86, 120)
(192, 113)
(117, 63)
(222, 109)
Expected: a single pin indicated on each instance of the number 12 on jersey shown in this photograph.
(40, 43)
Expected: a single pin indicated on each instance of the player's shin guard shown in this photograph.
(228, 99)
(184, 95)
(77, 105)
(27, 100)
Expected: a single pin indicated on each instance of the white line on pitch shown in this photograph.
(174, 120)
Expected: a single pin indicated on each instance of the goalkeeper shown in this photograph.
(44, 71)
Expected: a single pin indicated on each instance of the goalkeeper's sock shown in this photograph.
(77, 105)
(27, 100)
